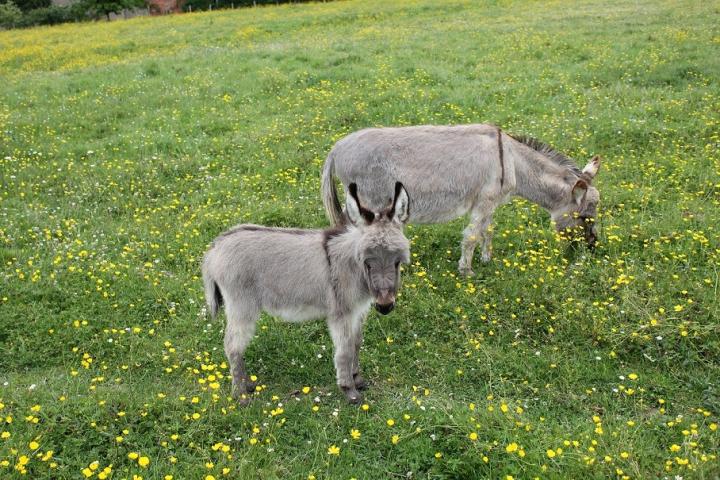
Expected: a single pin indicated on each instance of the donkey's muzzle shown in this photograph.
(385, 308)
(591, 241)
(590, 236)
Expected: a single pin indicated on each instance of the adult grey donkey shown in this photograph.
(452, 170)
(307, 274)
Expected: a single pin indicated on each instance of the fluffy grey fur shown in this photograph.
(450, 171)
(307, 274)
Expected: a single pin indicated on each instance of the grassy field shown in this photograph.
(126, 147)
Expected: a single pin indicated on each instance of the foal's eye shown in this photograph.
(397, 264)
(367, 265)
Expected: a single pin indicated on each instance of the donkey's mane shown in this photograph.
(249, 227)
(548, 151)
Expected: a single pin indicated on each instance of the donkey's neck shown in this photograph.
(540, 179)
(344, 267)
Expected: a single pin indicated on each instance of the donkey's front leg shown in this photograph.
(467, 247)
(343, 342)
(357, 325)
(487, 242)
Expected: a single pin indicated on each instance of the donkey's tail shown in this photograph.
(213, 296)
(333, 209)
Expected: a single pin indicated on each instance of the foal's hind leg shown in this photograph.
(476, 232)
(239, 331)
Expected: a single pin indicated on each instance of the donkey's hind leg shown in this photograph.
(239, 331)
(476, 232)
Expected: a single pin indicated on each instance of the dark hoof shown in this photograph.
(466, 272)
(360, 382)
(244, 388)
(250, 387)
(242, 397)
(352, 395)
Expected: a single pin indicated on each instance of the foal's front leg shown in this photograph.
(343, 342)
(357, 325)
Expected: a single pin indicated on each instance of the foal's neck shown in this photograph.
(540, 180)
(340, 246)
(346, 274)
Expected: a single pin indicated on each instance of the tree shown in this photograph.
(27, 5)
(104, 8)
(10, 15)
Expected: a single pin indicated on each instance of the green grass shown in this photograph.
(126, 147)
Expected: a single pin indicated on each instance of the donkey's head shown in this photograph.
(382, 246)
(579, 208)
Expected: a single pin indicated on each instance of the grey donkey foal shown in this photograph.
(307, 274)
(454, 170)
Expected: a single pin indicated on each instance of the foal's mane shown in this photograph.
(550, 152)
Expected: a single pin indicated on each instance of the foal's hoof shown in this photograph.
(243, 388)
(466, 272)
(242, 397)
(352, 395)
(360, 382)
(250, 386)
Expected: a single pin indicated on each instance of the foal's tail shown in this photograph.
(213, 296)
(333, 209)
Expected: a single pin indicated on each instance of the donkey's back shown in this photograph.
(442, 167)
(265, 268)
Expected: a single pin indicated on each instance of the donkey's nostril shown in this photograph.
(384, 308)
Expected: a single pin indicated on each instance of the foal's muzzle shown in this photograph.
(385, 301)
(384, 308)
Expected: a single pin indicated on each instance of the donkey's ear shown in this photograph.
(593, 166)
(355, 212)
(401, 204)
(579, 190)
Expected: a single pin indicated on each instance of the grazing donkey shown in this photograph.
(451, 170)
(306, 274)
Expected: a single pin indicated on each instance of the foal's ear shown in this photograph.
(579, 190)
(355, 212)
(593, 166)
(401, 204)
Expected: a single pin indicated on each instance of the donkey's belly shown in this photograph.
(438, 210)
(298, 314)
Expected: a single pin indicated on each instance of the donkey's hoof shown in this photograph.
(242, 398)
(360, 382)
(466, 272)
(486, 257)
(245, 387)
(352, 395)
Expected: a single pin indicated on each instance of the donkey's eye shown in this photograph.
(397, 264)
